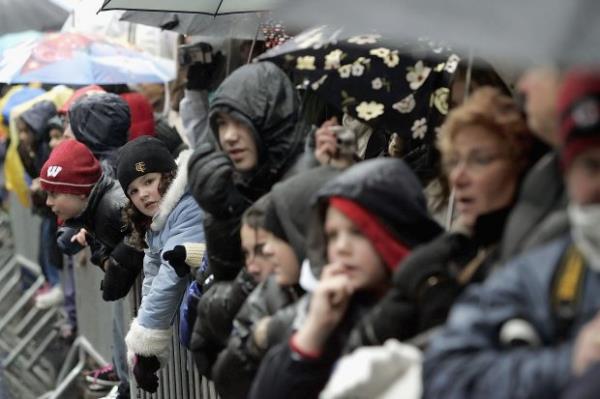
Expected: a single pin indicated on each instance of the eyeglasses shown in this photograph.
(475, 161)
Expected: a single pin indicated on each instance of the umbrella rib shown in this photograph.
(218, 8)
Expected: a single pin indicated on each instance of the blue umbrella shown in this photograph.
(81, 59)
(13, 39)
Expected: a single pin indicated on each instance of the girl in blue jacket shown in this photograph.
(161, 214)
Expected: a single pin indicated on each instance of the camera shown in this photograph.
(346, 145)
(197, 52)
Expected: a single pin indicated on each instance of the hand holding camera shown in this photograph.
(201, 63)
(335, 144)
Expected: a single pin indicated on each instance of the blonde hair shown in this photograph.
(498, 113)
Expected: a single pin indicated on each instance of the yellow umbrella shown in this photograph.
(13, 168)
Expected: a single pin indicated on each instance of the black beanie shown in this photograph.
(142, 156)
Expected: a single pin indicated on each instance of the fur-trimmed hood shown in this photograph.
(176, 190)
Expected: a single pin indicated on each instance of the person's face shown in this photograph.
(68, 134)
(253, 242)
(25, 136)
(143, 193)
(482, 174)
(283, 259)
(56, 137)
(236, 140)
(347, 246)
(540, 87)
(583, 178)
(66, 206)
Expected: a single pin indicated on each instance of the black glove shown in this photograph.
(211, 181)
(145, 372)
(204, 64)
(176, 258)
(121, 269)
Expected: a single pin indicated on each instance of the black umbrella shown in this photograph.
(40, 15)
(404, 88)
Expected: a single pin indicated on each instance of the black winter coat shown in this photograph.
(264, 98)
(214, 317)
(102, 219)
(237, 364)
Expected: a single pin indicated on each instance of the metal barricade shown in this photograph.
(180, 378)
(25, 331)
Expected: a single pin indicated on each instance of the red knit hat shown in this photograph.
(70, 169)
(387, 246)
(579, 110)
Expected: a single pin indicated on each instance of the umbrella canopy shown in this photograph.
(525, 32)
(13, 39)
(404, 88)
(79, 59)
(211, 7)
(40, 15)
(235, 26)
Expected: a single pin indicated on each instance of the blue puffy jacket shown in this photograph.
(467, 360)
(179, 220)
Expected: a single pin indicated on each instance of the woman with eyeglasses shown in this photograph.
(485, 147)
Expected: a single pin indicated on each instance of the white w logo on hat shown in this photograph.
(53, 171)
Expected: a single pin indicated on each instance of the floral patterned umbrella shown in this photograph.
(403, 88)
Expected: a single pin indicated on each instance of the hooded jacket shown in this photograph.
(179, 220)
(37, 119)
(391, 192)
(101, 121)
(263, 97)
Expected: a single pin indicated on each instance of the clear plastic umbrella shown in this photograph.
(564, 32)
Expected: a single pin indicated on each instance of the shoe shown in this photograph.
(42, 290)
(113, 394)
(102, 377)
(53, 297)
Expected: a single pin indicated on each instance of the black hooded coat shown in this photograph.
(264, 98)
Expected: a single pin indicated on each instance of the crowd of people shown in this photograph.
(292, 256)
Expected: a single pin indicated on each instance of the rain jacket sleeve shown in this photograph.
(285, 374)
(163, 289)
(467, 360)
(193, 110)
(238, 363)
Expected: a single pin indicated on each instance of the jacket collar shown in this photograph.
(176, 190)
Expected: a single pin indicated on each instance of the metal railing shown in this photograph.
(26, 332)
(180, 378)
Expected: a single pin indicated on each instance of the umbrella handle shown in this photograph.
(468, 75)
(253, 44)
(167, 104)
(450, 212)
